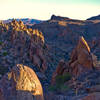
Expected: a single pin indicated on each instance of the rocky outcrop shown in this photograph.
(24, 43)
(36, 55)
(81, 58)
(20, 84)
(81, 61)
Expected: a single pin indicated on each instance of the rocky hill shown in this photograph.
(94, 18)
(18, 44)
(63, 33)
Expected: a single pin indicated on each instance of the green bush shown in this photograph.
(64, 88)
(52, 88)
(0, 43)
(60, 80)
(58, 87)
(5, 53)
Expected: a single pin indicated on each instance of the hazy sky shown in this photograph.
(43, 9)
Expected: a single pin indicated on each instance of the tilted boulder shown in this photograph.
(81, 58)
(20, 84)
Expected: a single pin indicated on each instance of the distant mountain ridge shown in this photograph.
(94, 18)
(27, 21)
(54, 17)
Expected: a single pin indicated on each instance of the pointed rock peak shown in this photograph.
(54, 17)
(81, 58)
(83, 44)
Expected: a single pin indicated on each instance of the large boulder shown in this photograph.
(20, 84)
(81, 58)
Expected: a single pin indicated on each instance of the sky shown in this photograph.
(43, 9)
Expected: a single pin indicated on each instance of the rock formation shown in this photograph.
(81, 58)
(20, 84)
(24, 43)
(81, 61)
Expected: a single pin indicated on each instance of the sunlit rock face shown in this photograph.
(81, 58)
(21, 84)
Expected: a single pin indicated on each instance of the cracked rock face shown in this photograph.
(21, 84)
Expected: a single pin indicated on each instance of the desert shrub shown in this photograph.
(5, 53)
(52, 88)
(64, 88)
(0, 43)
(60, 80)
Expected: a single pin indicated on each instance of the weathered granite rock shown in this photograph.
(20, 84)
(81, 58)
